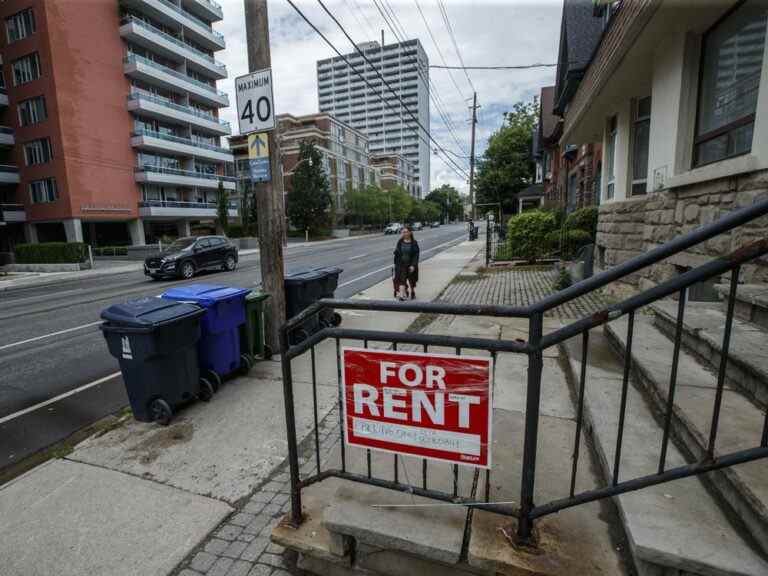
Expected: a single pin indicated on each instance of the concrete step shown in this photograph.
(744, 488)
(676, 528)
(703, 328)
(751, 302)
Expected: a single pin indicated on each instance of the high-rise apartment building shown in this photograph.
(389, 128)
(109, 127)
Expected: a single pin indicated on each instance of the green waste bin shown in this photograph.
(252, 332)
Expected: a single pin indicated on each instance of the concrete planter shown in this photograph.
(61, 267)
(340, 232)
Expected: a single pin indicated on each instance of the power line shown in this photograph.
(381, 77)
(359, 22)
(452, 164)
(447, 21)
(520, 67)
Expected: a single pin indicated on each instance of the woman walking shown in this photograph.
(406, 265)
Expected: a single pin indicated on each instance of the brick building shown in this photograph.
(395, 170)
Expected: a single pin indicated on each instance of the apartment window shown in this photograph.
(610, 158)
(641, 130)
(20, 25)
(32, 111)
(731, 62)
(26, 69)
(43, 191)
(38, 152)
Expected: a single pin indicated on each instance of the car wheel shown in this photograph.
(230, 263)
(187, 270)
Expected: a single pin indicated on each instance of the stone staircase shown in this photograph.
(714, 524)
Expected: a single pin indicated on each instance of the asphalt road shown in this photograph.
(56, 375)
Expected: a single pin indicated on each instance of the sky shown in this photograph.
(487, 33)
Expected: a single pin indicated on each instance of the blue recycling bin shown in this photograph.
(219, 345)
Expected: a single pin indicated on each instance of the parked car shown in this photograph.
(435, 224)
(393, 228)
(417, 226)
(187, 256)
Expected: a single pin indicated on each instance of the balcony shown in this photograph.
(205, 9)
(9, 174)
(177, 18)
(160, 108)
(152, 38)
(172, 176)
(12, 213)
(6, 136)
(177, 209)
(146, 70)
(178, 146)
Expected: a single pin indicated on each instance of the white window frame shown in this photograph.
(20, 25)
(35, 113)
(26, 69)
(611, 140)
(45, 188)
(38, 152)
(636, 121)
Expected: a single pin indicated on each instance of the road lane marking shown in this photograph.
(36, 338)
(55, 399)
(358, 257)
(389, 267)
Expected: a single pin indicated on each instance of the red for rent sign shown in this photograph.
(434, 406)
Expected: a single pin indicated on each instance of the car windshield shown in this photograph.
(181, 244)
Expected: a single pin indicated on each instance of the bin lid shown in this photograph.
(148, 312)
(327, 270)
(204, 294)
(303, 277)
(257, 296)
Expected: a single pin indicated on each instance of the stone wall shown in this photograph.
(628, 228)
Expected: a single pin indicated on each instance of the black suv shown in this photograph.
(189, 255)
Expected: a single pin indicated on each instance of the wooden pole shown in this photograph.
(472, 159)
(269, 198)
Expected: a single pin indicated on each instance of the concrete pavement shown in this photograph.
(214, 455)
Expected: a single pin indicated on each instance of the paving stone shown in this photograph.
(216, 546)
(188, 572)
(246, 537)
(202, 561)
(241, 519)
(273, 560)
(254, 549)
(258, 523)
(281, 499)
(263, 497)
(221, 567)
(235, 549)
(239, 568)
(255, 507)
(261, 570)
(229, 532)
(272, 509)
(273, 487)
(273, 548)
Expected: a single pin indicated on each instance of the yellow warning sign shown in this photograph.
(258, 145)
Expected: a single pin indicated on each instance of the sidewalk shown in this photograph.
(140, 499)
(19, 280)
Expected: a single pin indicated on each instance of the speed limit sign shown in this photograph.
(255, 111)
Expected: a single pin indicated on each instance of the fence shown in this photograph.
(527, 511)
(496, 247)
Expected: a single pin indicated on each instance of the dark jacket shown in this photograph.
(401, 270)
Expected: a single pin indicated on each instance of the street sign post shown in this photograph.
(433, 406)
(255, 102)
(258, 157)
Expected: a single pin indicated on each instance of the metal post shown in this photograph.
(535, 366)
(290, 422)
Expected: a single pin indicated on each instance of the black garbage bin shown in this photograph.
(302, 289)
(155, 341)
(329, 284)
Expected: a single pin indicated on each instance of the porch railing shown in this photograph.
(528, 511)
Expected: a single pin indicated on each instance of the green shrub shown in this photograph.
(51, 253)
(583, 219)
(235, 231)
(527, 233)
(572, 241)
(563, 280)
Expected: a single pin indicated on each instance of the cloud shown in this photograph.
(487, 33)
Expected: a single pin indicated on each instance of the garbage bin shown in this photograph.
(329, 284)
(252, 332)
(219, 346)
(302, 289)
(155, 342)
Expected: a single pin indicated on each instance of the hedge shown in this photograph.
(583, 219)
(527, 233)
(51, 253)
(573, 241)
(235, 231)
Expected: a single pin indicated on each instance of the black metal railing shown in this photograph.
(496, 246)
(527, 511)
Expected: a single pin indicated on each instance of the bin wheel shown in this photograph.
(206, 390)
(336, 319)
(230, 263)
(161, 412)
(245, 363)
(267, 353)
(214, 379)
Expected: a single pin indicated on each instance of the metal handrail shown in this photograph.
(12, 207)
(214, 5)
(179, 172)
(182, 204)
(135, 58)
(8, 168)
(194, 18)
(173, 39)
(186, 109)
(180, 140)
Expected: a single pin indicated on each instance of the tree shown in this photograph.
(310, 197)
(507, 165)
(399, 204)
(222, 209)
(449, 202)
(366, 206)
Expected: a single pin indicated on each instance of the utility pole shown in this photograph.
(268, 197)
(472, 158)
